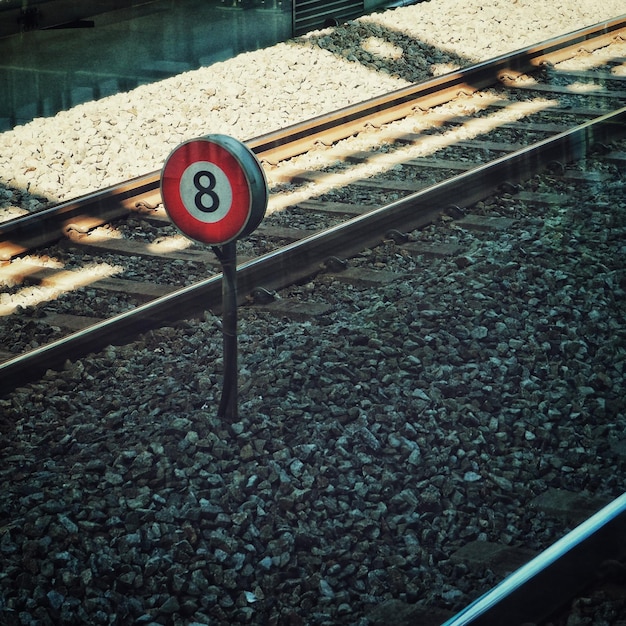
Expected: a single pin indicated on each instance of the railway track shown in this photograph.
(438, 183)
(442, 159)
(582, 560)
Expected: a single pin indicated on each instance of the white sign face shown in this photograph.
(206, 192)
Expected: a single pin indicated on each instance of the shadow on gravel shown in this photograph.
(386, 50)
(16, 201)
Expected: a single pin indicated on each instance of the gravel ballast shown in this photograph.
(371, 442)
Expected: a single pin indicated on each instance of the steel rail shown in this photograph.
(545, 583)
(44, 227)
(305, 257)
(397, 104)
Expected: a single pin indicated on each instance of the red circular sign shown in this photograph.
(214, 189)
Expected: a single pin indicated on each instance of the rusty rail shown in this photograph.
(45, 227)
(303, 258)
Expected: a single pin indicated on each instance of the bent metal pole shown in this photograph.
(228, 258)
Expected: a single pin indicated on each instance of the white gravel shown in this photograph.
(107, 141)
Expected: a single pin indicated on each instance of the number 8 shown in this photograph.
(205, 190)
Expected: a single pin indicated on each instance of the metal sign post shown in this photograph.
(215, 192)
(227, 255)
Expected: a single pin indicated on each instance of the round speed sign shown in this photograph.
(214, 189)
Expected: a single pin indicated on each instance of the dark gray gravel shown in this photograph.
(371, 444)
